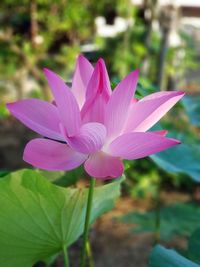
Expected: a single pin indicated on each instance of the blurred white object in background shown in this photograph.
(191, 3)
(107, 30)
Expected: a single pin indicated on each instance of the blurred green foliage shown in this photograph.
(40, 33)
(179, 219)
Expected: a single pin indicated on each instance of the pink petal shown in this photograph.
(90, 139)
(102, 165)
(96, 111)
(161, 132)
(139, 145)
(118, 105)
(40, 116)
(149, 110)
(51, 155)
(66, 103)
(82, 75)
(97, 95)
(99, 82)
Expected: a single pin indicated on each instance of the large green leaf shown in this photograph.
(180, 159)
(194, 246)
(162, 257)
(3, 173)
(192, 107)
(177, 219)
(63, 178)
(38, 218)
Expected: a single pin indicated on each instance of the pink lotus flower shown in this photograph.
(90, 124)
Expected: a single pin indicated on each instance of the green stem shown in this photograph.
(66, 259)
(87, 222)
(89, 254)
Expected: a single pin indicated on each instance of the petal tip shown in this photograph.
(161, 132)
(164, 132)
(100, 64)
(81, 57)
(177, 93)
(9, 105)
(136, 72)
(48, 72)
(101, 60)
(182, 93)
(175, 141)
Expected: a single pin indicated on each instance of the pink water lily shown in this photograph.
(90, 124)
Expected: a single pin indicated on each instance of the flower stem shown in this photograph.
(66, 259)
(87, 222)
(89, 254)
